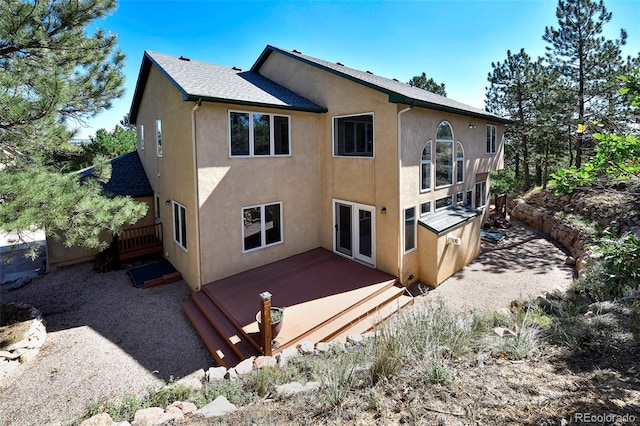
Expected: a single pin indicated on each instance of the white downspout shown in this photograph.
(196, 195)
(400, 212)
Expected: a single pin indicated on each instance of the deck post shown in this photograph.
(265, 319)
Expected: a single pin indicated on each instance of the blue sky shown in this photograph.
(453, 41)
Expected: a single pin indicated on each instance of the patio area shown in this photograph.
(324, 296)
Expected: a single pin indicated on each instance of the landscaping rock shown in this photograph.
(188, 382)
(293, 388)
(174, 412)
(306, 348)
(102, 419)
(264, 361)
(285, 355)
(186, 407)
(219, 407)
(245, 367)
(355, 339)
(150, 417)
(216, 373)
(504, 332)
(232, 374)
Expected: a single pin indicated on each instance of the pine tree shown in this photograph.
(428, 84)
(587, 60)
(55, 71)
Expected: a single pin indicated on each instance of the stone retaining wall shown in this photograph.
(617, 206)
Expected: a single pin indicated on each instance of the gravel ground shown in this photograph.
(107, 338)
(523, 265)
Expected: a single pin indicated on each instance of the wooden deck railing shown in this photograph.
(139, 241)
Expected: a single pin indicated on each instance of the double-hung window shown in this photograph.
(256, 134)
(491, 139)
(409, 229)
(353, 136)
(180, 224)
(444, 155)
(261, 226)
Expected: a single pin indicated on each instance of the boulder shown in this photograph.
(219, 407)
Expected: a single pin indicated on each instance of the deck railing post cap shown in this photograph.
(265, 296)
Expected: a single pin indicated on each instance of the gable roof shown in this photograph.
(398, 92)
(127, 177)
(197, 80)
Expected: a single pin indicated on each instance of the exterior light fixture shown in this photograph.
(383, 210)
(472, 126)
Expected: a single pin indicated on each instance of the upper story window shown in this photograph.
(159, 137)
(254, 134)
(141, 135)
(261, 226)
(491, 138)
(425, 167)
(459, 163)
(444, 155)
(353, 136)
(425, 208)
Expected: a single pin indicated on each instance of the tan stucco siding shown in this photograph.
(172, 174)
(370, 181)
(433, 258)
(227, 184)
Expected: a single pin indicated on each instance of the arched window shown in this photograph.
(425, 167)
(444, 155)
(459, 163)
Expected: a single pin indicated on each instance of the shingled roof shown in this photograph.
(398, 92)
(127, 177)
(197, 80)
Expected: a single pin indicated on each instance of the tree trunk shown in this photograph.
(538, 172)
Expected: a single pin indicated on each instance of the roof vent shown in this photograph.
(340, 63)
(297, 51)
(369, 72)
(395, 79)
(236, 69)
(184, 58)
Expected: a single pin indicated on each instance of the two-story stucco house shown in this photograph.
(250, 167)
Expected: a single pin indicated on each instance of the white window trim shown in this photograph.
(181, 223)
(483, 194)
(251, 134)
(494, 139)
(415, 229)
(333, 135)
(431, 168)
(263, 244)
(159, 137)
(356, 256)
(156, 206)
(430, 208)
(445, 207)
(458, 143)
(453, 154)
(141, 135)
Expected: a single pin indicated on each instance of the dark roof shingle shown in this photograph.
(127, 177)
(197, 80)
(398, 92)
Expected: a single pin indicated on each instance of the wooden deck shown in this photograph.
(324, 296)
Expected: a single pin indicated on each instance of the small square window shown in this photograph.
(460, 198)
(425, 208)
(261, 226)
(353, 136)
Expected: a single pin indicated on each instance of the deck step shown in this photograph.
(232, 336)
(370, 321)
(360, 311)
(216, 344)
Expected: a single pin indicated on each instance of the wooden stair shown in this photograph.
(229, 343)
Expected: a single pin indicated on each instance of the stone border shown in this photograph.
(221, 405)
(29, 345)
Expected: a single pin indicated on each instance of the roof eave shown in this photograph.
(400, 99)
(195, 98)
